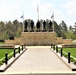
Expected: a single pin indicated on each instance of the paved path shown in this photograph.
(38, 60)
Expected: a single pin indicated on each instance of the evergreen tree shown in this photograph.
(63, 29)
(56, 28)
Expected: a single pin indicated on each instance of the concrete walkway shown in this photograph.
(38, 60)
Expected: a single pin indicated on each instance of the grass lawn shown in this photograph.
(2, 42)
(2, 54)
(3, 51)
(71, 50)
(10, 54)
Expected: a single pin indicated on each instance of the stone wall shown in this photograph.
(39, 38)
(9, 41)
(67, 41)
(60, 40)
(34, 38)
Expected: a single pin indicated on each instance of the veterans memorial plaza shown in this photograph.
(38, 60)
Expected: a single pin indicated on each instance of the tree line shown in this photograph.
(10, 30)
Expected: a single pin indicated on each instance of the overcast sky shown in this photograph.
(63, 10)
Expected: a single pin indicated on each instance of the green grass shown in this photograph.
(2, 42)
(73, 53)
(71, 50)
(10, 54)
(2, 54)
(3, 51)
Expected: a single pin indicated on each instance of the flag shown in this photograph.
(52, 16)
(22, 16)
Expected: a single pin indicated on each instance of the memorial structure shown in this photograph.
(44, 27)
(36, 35)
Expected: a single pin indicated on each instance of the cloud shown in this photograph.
(59, 16)
(8, 10)
(70, 12)
(71, 7)
(46, 10)
(12, 9)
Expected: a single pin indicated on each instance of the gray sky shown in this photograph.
(63, 10)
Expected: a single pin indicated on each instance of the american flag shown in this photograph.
(52, 16)
(22, 16)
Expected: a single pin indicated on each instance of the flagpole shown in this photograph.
(23, 21)
(38, 11)
(53, 21)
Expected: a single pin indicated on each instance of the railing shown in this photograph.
(63, 53)
(13, 54)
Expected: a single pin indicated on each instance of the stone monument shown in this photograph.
(42, 36)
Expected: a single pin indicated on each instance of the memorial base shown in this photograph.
(38, 38)
(25, 30)
(44, 30)
(31, 30)
(38, 30)
(50, 30)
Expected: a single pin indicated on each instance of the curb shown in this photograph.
(70, 65)
(11, 61)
